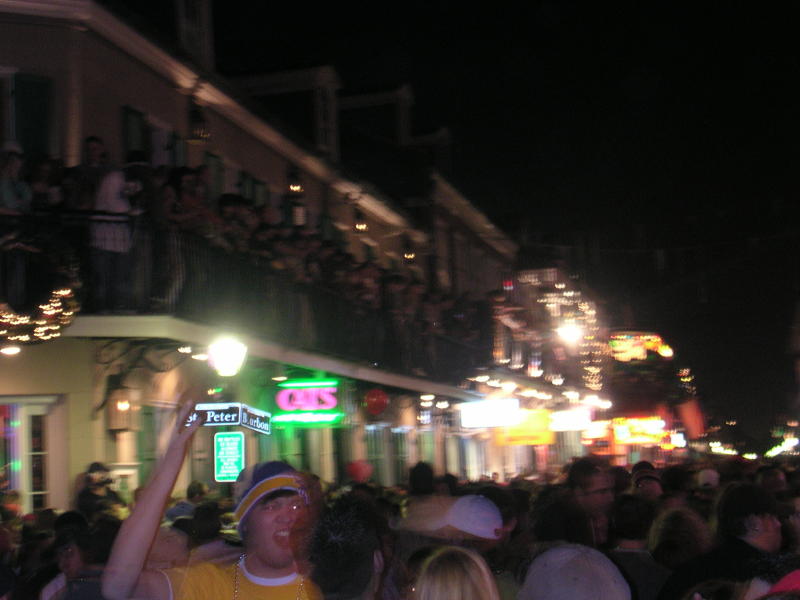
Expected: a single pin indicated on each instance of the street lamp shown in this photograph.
(570, 333)
(226, 355)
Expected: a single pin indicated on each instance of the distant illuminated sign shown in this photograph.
(628, 346)
(500, 412)
(647, 430)
(532, 430)
(228, 455)
(573, 419)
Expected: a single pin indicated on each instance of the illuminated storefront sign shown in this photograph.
(228, 455)
(628, 346)
(647, 430)
(532, 430)
(500, 412)
(573, 419)
(308, 402)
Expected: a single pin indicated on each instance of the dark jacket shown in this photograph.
(733, 560)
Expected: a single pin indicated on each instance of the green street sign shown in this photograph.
(228, 455)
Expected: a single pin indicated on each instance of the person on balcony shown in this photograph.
(15, 193)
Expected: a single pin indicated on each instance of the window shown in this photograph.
(178, 151)
(425, 446)
(37, 460)
(32, 114)
(400, 453)
(246, 183)
(217, 175)
(135, 132)
(261, 196)
(25, 111)
(376, 454)
(26, 458)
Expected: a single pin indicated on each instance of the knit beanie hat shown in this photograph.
(261, 479)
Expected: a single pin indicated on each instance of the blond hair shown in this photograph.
(453, 572)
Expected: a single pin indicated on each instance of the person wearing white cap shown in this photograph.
(273, 504)
(573, 572)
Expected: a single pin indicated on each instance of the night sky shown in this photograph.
(655, 145)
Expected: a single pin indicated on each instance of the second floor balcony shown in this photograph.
(298, 290)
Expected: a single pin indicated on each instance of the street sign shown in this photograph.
(254, 419)
(228, 455)
(220, 413)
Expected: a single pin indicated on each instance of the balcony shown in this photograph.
(122, 265)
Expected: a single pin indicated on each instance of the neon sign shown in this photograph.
(308, 402)
(307, 399)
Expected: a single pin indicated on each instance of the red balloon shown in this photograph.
(376, 400)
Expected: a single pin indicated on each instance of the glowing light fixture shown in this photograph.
(482, 378)
(226, 355)
(442, 404)
(185, 349)
(200, 356)
(427, 397)
(570, 333)
(508, 386)
(10, 350)
(666, 351)
(500, 412)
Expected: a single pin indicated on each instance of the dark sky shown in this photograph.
(651, 132)
(630, 126)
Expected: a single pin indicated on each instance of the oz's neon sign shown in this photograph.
(308, 403)
(307, 395)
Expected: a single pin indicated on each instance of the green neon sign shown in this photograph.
(228, 455)
(308, 417)
(309, 383)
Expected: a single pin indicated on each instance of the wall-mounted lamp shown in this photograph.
(360, 224)
(199, 131)
(226, 356)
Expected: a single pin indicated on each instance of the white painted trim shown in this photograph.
(193, 333)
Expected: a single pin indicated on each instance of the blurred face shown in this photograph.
(270, 537)
(598, 496)
(649, 489)
(771, 528)
(70, 561)
(94, 151)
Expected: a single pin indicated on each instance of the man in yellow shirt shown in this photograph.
(273, 510)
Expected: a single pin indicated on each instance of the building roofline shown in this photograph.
(454, 202)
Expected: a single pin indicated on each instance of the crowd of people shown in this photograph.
(725, 530)
(154, 239)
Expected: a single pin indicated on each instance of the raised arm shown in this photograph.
(124, 576)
